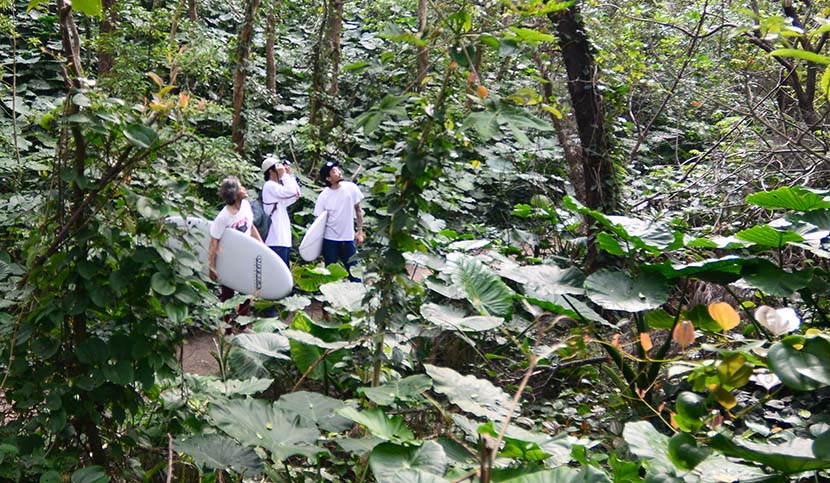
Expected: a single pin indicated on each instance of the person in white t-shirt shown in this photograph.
(236, 214)
(341, 199)
(279, 192)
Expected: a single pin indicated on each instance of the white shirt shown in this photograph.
(339, 203)
(284, 195)
(243, 220)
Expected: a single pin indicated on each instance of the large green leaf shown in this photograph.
(565, 305)
(521, 444)
(140, 136)
(789, 198)
(769, 278)
(548, 279)
(392, 463)
(801, 363)
(619, 291)
(344, 295)
(563, 474)
(471, 394)
(718, 270)
(236, 387)
(768, 236)
(271, 345)
(644, 233)
(401, 390)
(217, 452)
(652, 448)
(390, 428)
(257, 423)
(315, 408)
(90, 474)
(452, 318)
(483, 288)
(794, 456)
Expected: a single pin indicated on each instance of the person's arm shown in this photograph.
(214, 246)
(358, 212)
(287, 190)
(255, 233)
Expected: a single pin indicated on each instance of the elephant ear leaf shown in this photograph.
(620, 291)
(256, 423)
(216, 452)
(476, 396)
(483, 289)
(402, 464)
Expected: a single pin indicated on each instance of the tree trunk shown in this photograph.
(270, 55)
(191, 10)
(601, 192)
(423, 53)
(335, 31)
(241, 75)
(318, 75)
(106, 60)
(73, 71)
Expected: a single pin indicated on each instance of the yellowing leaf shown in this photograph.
(645, 341)
(184, 100)
(155, 78)
(725, 398)
(724, 315)
(556, 112)
(482, 92)
(684, 334)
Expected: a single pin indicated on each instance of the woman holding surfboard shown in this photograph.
(279, 192)
(340, 199)
(236, 214)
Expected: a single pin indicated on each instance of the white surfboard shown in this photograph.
(242, 263)
(312, 245)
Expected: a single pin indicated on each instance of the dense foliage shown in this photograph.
(597, 241)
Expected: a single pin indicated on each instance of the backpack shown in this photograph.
(262, 220)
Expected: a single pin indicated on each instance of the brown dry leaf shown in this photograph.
(645, 341)
(156, 78)
(724, 315)
(684, 334)
(482, 92)
(184, 100)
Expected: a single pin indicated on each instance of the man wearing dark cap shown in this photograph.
(341, 200)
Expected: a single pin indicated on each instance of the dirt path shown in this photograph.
(196, 356)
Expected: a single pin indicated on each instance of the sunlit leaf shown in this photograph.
(684, 334)
(802, 54)
(477, 396)
(645, 341)
(390, 428)
(789, 198)
(793, 456)
(723, 313)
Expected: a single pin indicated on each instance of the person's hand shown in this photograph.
(358, 239)
(280, 171)
(288, 169)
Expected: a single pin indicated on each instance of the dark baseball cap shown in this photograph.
(325, 170)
